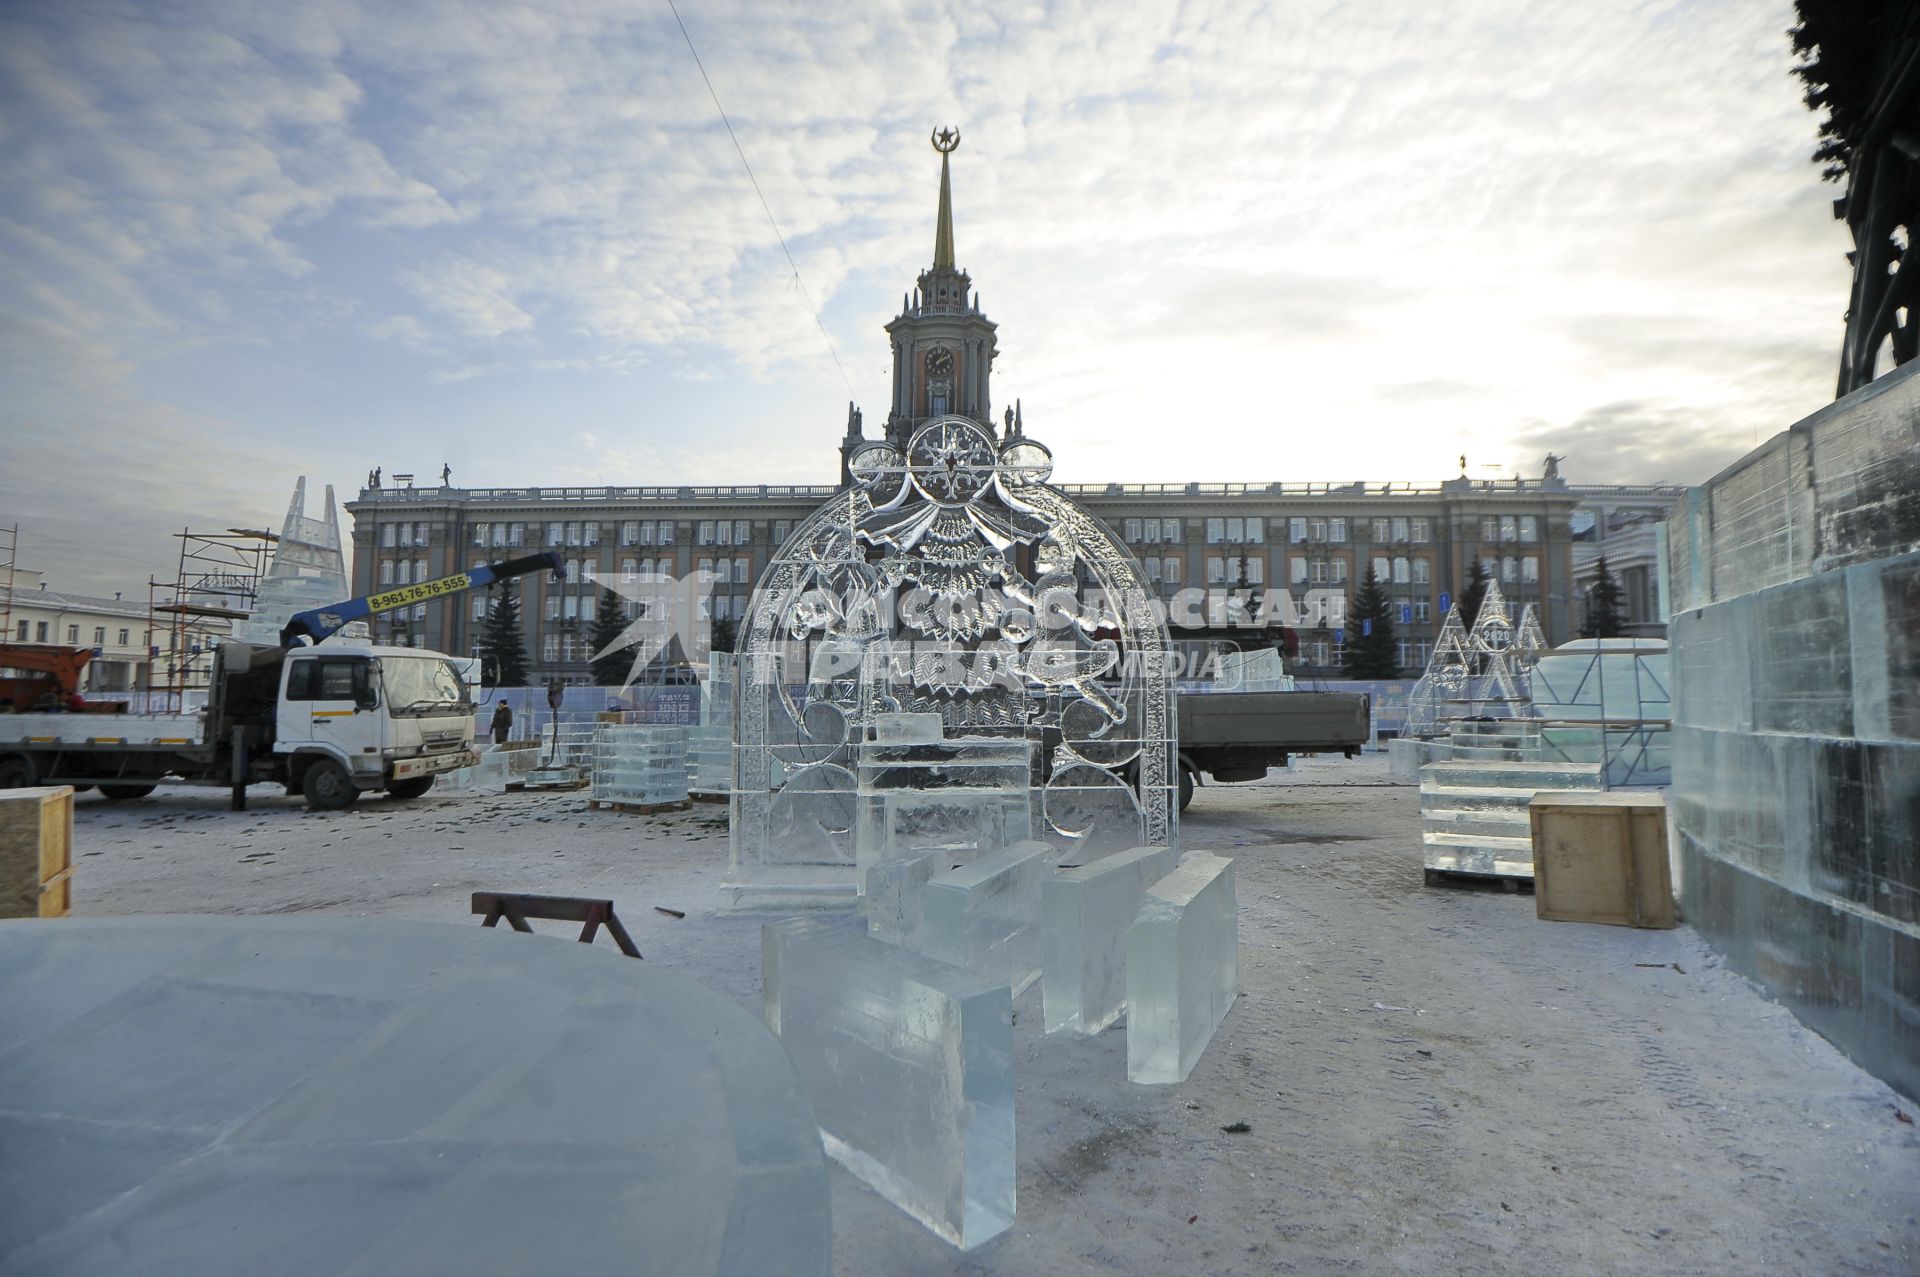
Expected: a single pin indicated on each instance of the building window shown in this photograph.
(419, 611)
(73, 636)
(630, 532)
(723, 532)
(1422, 572)
(1508, 528)
(589, 571)
(743, 532)
(666, 531)
(1319, 571)
(1216, 570)
(479, 610)
(1382, 570)
(556, 534)
(386, 571)
(1298, 568)
(1170, 570)
(1316, 529)
(1150, 568)
(782, 529)
(1530, 569)
(1422, 611)
(1419, 531)
(1382, 529)
(1172, 531)
(479, 534)
(703, 532)
(1509, 570)
(550, 647)
(742, 571)
(1296, 530)
(1256, 531)
(1132, 532)
(1337, 529)
(40, 632)
(1236, 530)
(1489, 528)
(1321, 651)
(1529, 528)
(1402, 571)
(550, 608)
(1216, 531)
(1399, 529)
(126, 637)
(516, 534)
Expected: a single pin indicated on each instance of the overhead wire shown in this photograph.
(764, 205)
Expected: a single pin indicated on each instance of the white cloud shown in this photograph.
(1316, 240)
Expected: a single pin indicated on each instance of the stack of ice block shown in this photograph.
(638, 764)
(908, 1063)
(1085, 916)
(985, 916)
(710, 745)
(966, 793)
(1473, 815)
(1183, 968)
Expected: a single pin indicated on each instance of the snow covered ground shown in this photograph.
(1432, 1080)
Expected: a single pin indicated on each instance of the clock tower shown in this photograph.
(943, 346)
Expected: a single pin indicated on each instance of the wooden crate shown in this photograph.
(1601, 857)
(36, 851)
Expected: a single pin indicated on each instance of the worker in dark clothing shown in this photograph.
(502, 723)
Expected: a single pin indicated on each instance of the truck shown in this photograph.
(1236, 736)
(328, 721)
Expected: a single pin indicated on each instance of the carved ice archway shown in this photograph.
(949, 579)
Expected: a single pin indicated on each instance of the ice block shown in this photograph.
(893, 895)
(908, 1063)
(1183, 968)
(985, 916)
(1085, 914)
(907, 729)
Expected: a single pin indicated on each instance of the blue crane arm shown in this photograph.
(318, 623)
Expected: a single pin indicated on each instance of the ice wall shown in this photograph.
(1796, 741)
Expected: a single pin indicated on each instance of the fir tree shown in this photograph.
(610, 669)
(1473, 595)
(724, 634)
(503, 653)
(1370, 645)
(1603, 606)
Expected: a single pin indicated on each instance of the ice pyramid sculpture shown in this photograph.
(308, 569)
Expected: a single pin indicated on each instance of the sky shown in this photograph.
(1299, 241)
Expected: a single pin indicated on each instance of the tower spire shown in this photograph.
(944, 141)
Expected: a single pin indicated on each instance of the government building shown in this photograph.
(1197, 541)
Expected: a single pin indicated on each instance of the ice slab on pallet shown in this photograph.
(1085, 914)
(908, 1063)
(893, 895)
(985, 916)
(1183, 968)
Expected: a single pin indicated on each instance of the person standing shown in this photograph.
(502, 723)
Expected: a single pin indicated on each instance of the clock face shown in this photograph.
(940, 362)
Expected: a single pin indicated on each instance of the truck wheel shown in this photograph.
(328, 787)
(1186, 786)
(409, 789)
(124, 793)
(15, 773)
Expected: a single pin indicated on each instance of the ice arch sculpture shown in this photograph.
(948, 630)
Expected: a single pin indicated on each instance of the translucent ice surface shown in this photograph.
(893, 895)
(1183, 968)
(1085, 914)
(986, 916)
(907, 729)
(908, 1063)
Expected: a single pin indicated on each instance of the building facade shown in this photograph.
(1199, 544)
(1622, 524)
(120, 632)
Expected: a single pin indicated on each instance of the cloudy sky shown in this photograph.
(1294, 241)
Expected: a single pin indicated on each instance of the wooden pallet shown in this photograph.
(709, 796)
(1454, 878)
(637, 809)
(521, 787)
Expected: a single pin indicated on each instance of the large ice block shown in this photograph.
(1183, 968)
(908, 1063)
(893, 895)
(985, 916)
(966, 793)
(908, 729)
(1085, 914)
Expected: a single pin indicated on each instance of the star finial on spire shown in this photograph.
(944, 141)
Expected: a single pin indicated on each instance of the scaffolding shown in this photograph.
(214, 589)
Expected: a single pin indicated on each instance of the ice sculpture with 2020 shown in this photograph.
(948, 580)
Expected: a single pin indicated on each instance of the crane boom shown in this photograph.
(318, 623)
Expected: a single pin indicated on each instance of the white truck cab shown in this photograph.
(361, 718)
